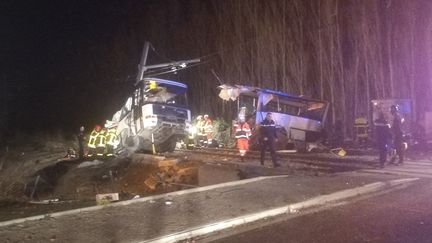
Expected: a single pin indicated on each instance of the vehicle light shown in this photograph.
(192, 130)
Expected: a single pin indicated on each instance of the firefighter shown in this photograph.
(242, 132)
(208, 129)
(112, 141)
(268, 138)
(361, 127)
(92, 140)
(101, 143)
(382, 132)
(397, 133)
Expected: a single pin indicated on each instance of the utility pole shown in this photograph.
(142, 68)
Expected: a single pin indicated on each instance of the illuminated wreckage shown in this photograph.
(299, 120)
(154, 118)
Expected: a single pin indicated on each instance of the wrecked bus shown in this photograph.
(299, 120)
(155, 117)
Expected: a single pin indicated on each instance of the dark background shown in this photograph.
(71, 63)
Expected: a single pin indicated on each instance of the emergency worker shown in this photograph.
(112, 141)
(200, 131)
(101, 143)
(268, 138)
(92, 140)
(208, 129)
(397, 133)
(81, 138)
(382, 132)
(242, 132)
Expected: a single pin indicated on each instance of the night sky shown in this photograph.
(71, 63)
(61, 66)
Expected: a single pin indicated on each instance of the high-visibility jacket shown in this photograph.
(92, 139)
(200, 127)
(101, 139)
(112, 138)
(242, 130)
(208, 126)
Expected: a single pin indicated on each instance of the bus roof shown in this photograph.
(255, 92)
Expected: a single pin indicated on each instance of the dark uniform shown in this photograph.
(397, 134)
(268, 138)
(382, 132)
(81, 138)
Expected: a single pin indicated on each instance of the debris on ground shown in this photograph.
(106, 198)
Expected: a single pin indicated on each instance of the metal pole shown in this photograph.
(141, 66)
(153, 145)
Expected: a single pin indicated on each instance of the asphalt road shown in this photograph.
(398, 216)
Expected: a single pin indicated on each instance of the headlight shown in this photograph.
(192, 130)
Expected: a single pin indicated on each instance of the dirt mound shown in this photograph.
(139, 175)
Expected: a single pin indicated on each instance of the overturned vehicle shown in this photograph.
(154, 118)
(299, 120)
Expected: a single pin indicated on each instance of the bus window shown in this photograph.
(249, 102)
(314, 114)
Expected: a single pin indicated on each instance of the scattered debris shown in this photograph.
(90, 163)
(338, 151)
(46, 201)
(106, 198)
(151, 182)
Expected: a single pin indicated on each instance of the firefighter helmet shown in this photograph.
(97, 127)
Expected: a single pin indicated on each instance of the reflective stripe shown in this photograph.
(245, 129)
(112, 139)
(382, 124)
(92, 139)
(242, 131)
(100, 141)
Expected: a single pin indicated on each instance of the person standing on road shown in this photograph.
(242, 133)
(382, 131)
(396, 129)
(81, 138)
(268, 138)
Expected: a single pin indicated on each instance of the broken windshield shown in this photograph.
(166, 94)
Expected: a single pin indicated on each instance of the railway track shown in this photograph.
(321, 162)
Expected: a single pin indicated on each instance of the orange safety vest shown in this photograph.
(208, 126)
(242, 130)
